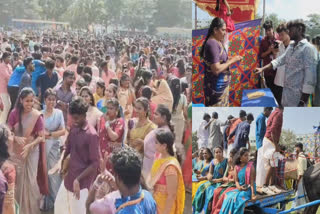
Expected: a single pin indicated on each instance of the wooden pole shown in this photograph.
(195, 16)
(263, 16)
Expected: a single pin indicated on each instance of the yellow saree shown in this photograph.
(157, 179)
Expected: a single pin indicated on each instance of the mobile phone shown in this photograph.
(246, 186)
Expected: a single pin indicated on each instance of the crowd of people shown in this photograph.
(94, 124)
(289, 63)
(227, 172)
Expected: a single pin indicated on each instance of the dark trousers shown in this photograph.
(278, 93)
(13, 93)
(276, 90)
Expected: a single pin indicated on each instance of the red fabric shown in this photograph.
(104, 139)
(233, 126)
(247, 172)
(238, 15)
(186, 167)
(132, 73)
(42, 175)
(227, 19)
(218, 200)
(274, 125)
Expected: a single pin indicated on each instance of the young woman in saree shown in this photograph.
(7, 201)
(215, 56)
(197, 161)
(126, 96)
(162, 118)
(227, 186)
(179, 115)
(245, 182)
(93, 113)
(140, 126)
(111, 129)
(200, 175)
(27, 125)
(166, 176)
(54, 129)
(215, 177)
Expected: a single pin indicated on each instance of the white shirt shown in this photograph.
(203, 135)
(279, 79)
(300, 63)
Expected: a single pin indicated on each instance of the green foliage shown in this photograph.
(19, 9)
(52, 10)
(82, 13)
(313, 25)
(275, 20)
(194, 142)
(171, 13)
(137, 14)
(288, 138)
(112, 12)
(133, 14)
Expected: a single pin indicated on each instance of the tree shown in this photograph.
(27, 9)
(112, 12)
(53, 9)
(186, 13)
(82, 13)
(137, 14)
(275, 20)
(194, 142)
(288, 139)
(169, 13)
(313, 25)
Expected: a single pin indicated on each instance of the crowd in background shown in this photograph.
(94, 124)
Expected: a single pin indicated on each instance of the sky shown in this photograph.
(299, 120)
(286, 9)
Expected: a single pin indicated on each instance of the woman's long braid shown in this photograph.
(216, 23)
(210, 31)
(218, 5)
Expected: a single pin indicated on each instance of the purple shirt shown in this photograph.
(66, 97)
(83, 146)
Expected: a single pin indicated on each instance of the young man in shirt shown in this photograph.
(242, 132)
(65, 93)
(233, 125)
(203, 134)
(130, 197)
(82, 145)
(5, 73)
(49, 79)
(261, 126)
(127, 171)
(284, 37)
(302, 167)
(267, 52)
(26, 77)
(300, 60)
(215, 135)
(269, 152)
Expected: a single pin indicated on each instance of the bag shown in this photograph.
(291, 169)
